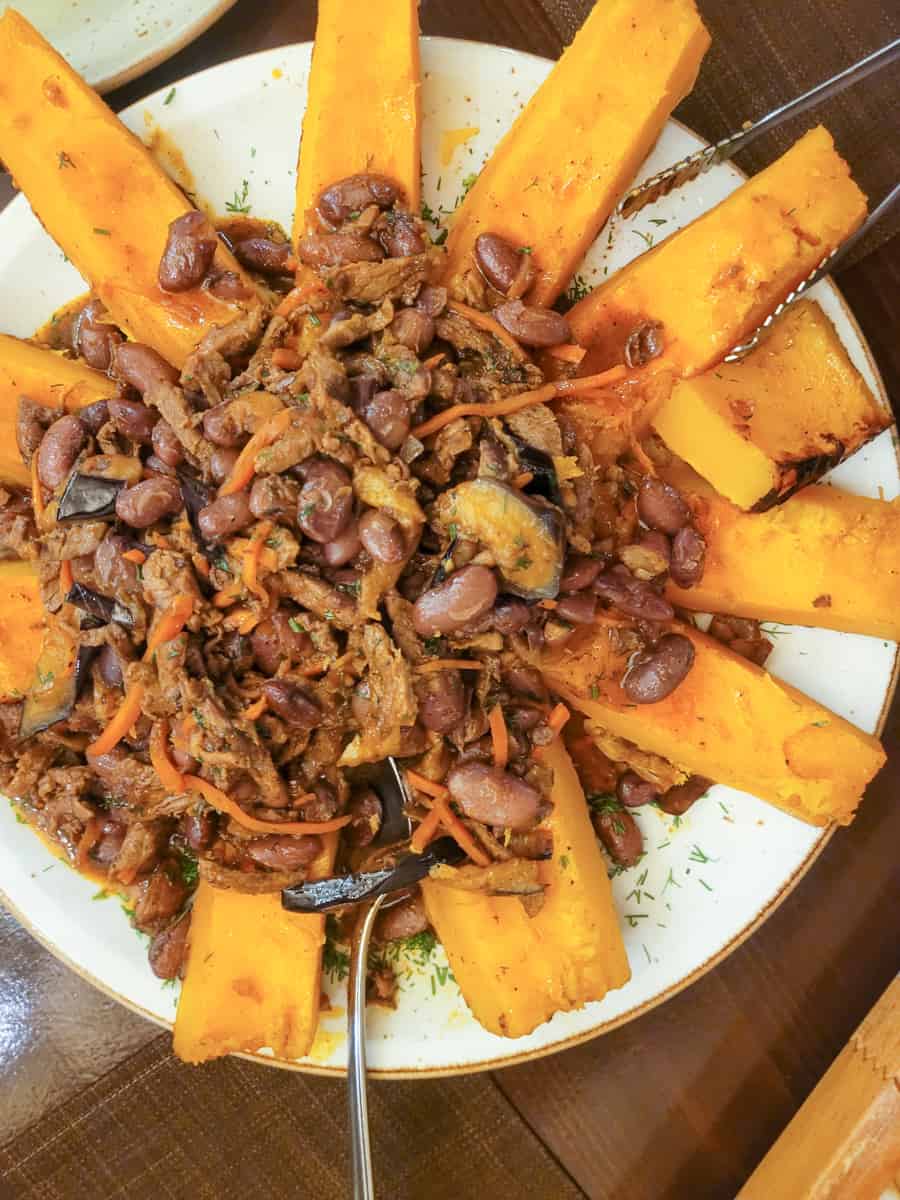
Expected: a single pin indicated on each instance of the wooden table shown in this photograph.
(682, 1103)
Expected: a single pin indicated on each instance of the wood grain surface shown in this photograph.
(679, 1105)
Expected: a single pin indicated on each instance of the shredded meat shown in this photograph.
(372, 282)
(393, 703)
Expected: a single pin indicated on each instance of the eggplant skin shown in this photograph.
(525, 535)
(58, 684)
(101, 609)
(88, 498)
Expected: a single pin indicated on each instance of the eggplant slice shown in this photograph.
(62, 669)
(88, 498)
(101, 609)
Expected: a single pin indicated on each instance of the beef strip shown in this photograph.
(319, 597)
(207, 370)
(392, 704)
(372, 282)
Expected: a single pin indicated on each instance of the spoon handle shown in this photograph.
(360, 1149)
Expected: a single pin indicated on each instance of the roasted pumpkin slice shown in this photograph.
(100, 195)
(514, 970)
(762, 428)
(21, 628)
(729, 721)
(710, 284)
(554, 179)
(378, 44)
(46, 378)
(823, 558)
(526, 536)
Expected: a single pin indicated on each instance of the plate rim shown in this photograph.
(639, 1010)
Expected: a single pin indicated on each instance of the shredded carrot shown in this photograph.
(201, 566)
(291, 263)
(559, 715)
(425, 831)
(523, 480)
(299, 295)
(311, 670)
(490, 325)
(37, 496)
(66, 579)
(590, 383)
(135, 556)
(434, 361)
(168, 774)
(548, 604)
(227, 596)
(244, 620)
(493, 408)
(244, 470)
(223, 802)
(428, 786)
(170, 624)
(126, 715)
(286, 359)
(567, 352)
(254, 710)
(449, 664)
(460, 834)
(499, 736)
(87, 841)
(251, 561)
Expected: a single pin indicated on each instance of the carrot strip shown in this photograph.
(425, 831)
(170, 624)
(567, 352)
(244, 469)
(135, 556)
(499, 736)
(449, 664)
(523, 480)
(490, 325)
(223, 802)
(244, 620)
(254, 710)
(251, 561)
(434, 361)
(286, 359)
(548, 604)
(126, 715)
(460, 834)
(428, 786)
(168, 774)
(590, 383)
(298, 295)
(559, 714)
(493, 408)
(227, 596)
(66, 579)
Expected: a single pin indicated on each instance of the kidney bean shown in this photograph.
(387, 415)
(185, 762)
(149, 501)
(325, 507)
(224, 516)
(526, 681)
(113, 571)
(93, 338)
(110, 667)
(159, 898)
(382, 536)
(432, 300)
(168, 948)
(263, 255)
(645, 561)
(292, 704)
(275, 497)
(366, 817)
(510, 616)
(345, 546)
(283, 853)
(337, 202)
(166, 445)
(498, 261)
(278, 638)
(643, 344)
(188, 254)
(228, 285)
(361, 703)
(221, 426)
(494, 796)
(156, 466)
(688, 555)
(141, 367)
(199, 828)
(442, 700)
(463, 597)
(402, 920)
(655, 674)
(620, 834)
(401, 235)
(633, 791)
(413, 329)
(222, 463)
(677, 800)
(95, 416)
(579, 572)
(112, 835)
(336, 249)
(361, 390)
(531, 325)
(577, 609)
(652, 539)
(634, 597)
(59, 448)
(133, 419)
(662, 507)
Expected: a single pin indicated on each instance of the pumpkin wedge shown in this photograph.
(824, 558)
(762, 428)
(729, 721)
(21, 628)
(46, 378)
(99, 194)
(516, 971)
(373, 49)
(711, 283)
(591, 125)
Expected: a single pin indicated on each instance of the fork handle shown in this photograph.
(360, 1148)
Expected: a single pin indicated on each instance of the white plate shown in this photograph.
(110, 43)
(703, 886)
